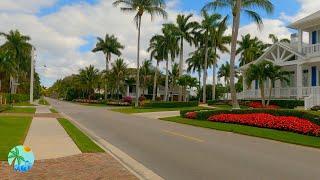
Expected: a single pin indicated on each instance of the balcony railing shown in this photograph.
(311, 49)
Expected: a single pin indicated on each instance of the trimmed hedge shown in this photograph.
(205, 114)
(288, 104)
(170, 104)
(16, 97)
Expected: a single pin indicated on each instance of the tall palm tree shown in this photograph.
(184, 28)
(152, 7)
(195, 64)
(237, 7)
(174, 75)
(119, 71)
(88, 78)
(208, 23)
(8, 66)
(109, 45)
(146, 71)
(224, 72)
(219, 42)
(249, 49)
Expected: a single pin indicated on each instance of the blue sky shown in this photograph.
(65, 31)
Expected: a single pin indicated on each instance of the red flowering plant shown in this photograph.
(256, 104)
(287, 123)
(191, 115)
(127, 99)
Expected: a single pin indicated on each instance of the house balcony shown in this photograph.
(311, 49)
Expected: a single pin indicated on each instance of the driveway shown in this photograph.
(177, 151)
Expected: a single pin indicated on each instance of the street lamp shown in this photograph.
(32, 73)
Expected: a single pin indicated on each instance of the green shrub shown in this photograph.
(204, 115)
(16, 97)
(170, 104)
(288, 104)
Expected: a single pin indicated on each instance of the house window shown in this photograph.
(314, 37)
(305, 78)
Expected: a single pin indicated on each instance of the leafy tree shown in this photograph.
(275, 39)
(238, 7)
(88, 78)
(196, 64)
(173, 76)
(146, 74)
(224, 72)
(152, 7)
(119, 71)
(109, 45)
(186, 81)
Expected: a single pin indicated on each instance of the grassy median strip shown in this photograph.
(84, 143)
(13, 131)
(132, 110)
(272, 134)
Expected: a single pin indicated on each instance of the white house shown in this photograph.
(301, 59)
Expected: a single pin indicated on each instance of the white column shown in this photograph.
(299, 81)
(300, 40)
(32, 76)
(128, 90)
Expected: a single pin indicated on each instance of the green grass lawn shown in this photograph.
(227, 106)
(13, 131)
(84, 143)
(23, 104)
(20, 110)
(277, 135)
(131, 110)
(53, 110)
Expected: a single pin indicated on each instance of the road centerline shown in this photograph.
(184, 136)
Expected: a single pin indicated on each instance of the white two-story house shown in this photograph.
(301, 59)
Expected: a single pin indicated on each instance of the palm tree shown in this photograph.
(250, 49)
(195, 64)
(275, 73)
(275, 39)
(258, 72)
(208, 23)
(174, 75)
(237, 7)
(152, 7)
(109, 45)
(186, 81)
(224, 72)
(184, 28)
(8, 66)
(145, 72)
(219, 42)
(119, 71)
(157, 51)
(88, 78)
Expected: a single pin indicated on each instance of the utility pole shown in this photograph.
(32, 74)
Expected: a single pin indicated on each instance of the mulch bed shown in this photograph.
(83, 166)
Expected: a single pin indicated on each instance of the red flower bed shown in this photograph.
(191, 115)
(259, 105)
(262, 120)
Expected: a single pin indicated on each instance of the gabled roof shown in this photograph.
(278, 54)
(307, 22)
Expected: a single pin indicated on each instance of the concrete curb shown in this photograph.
(128, 162)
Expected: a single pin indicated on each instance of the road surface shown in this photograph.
(176, 151)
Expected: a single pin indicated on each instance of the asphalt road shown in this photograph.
(176, 151)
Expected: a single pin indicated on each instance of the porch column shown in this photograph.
(128, 90)
(300, 40)
(277, 86)
(299, 81)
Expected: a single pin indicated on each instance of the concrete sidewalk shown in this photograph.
(48, 139)
(157, 115)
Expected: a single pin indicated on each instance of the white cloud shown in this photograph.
(307, 7)
(24, 6)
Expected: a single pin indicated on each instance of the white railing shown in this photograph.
(311, 49)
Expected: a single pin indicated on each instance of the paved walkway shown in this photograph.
(48, 139)
(82, 166)
(157, 115)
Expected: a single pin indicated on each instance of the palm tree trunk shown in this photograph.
(108, 57)
(167, 82)
(185, 94)
(235, 31)
(263, 101)
(270, 92)
(138, 65)
(181, 68)
(155, 82)
(214, 82)
(205, 73)
(199, 74)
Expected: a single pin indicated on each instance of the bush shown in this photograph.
(288, 104)
(204, 115)
(127, 99)
(170, 104)
(259, 105)
(16, 98)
